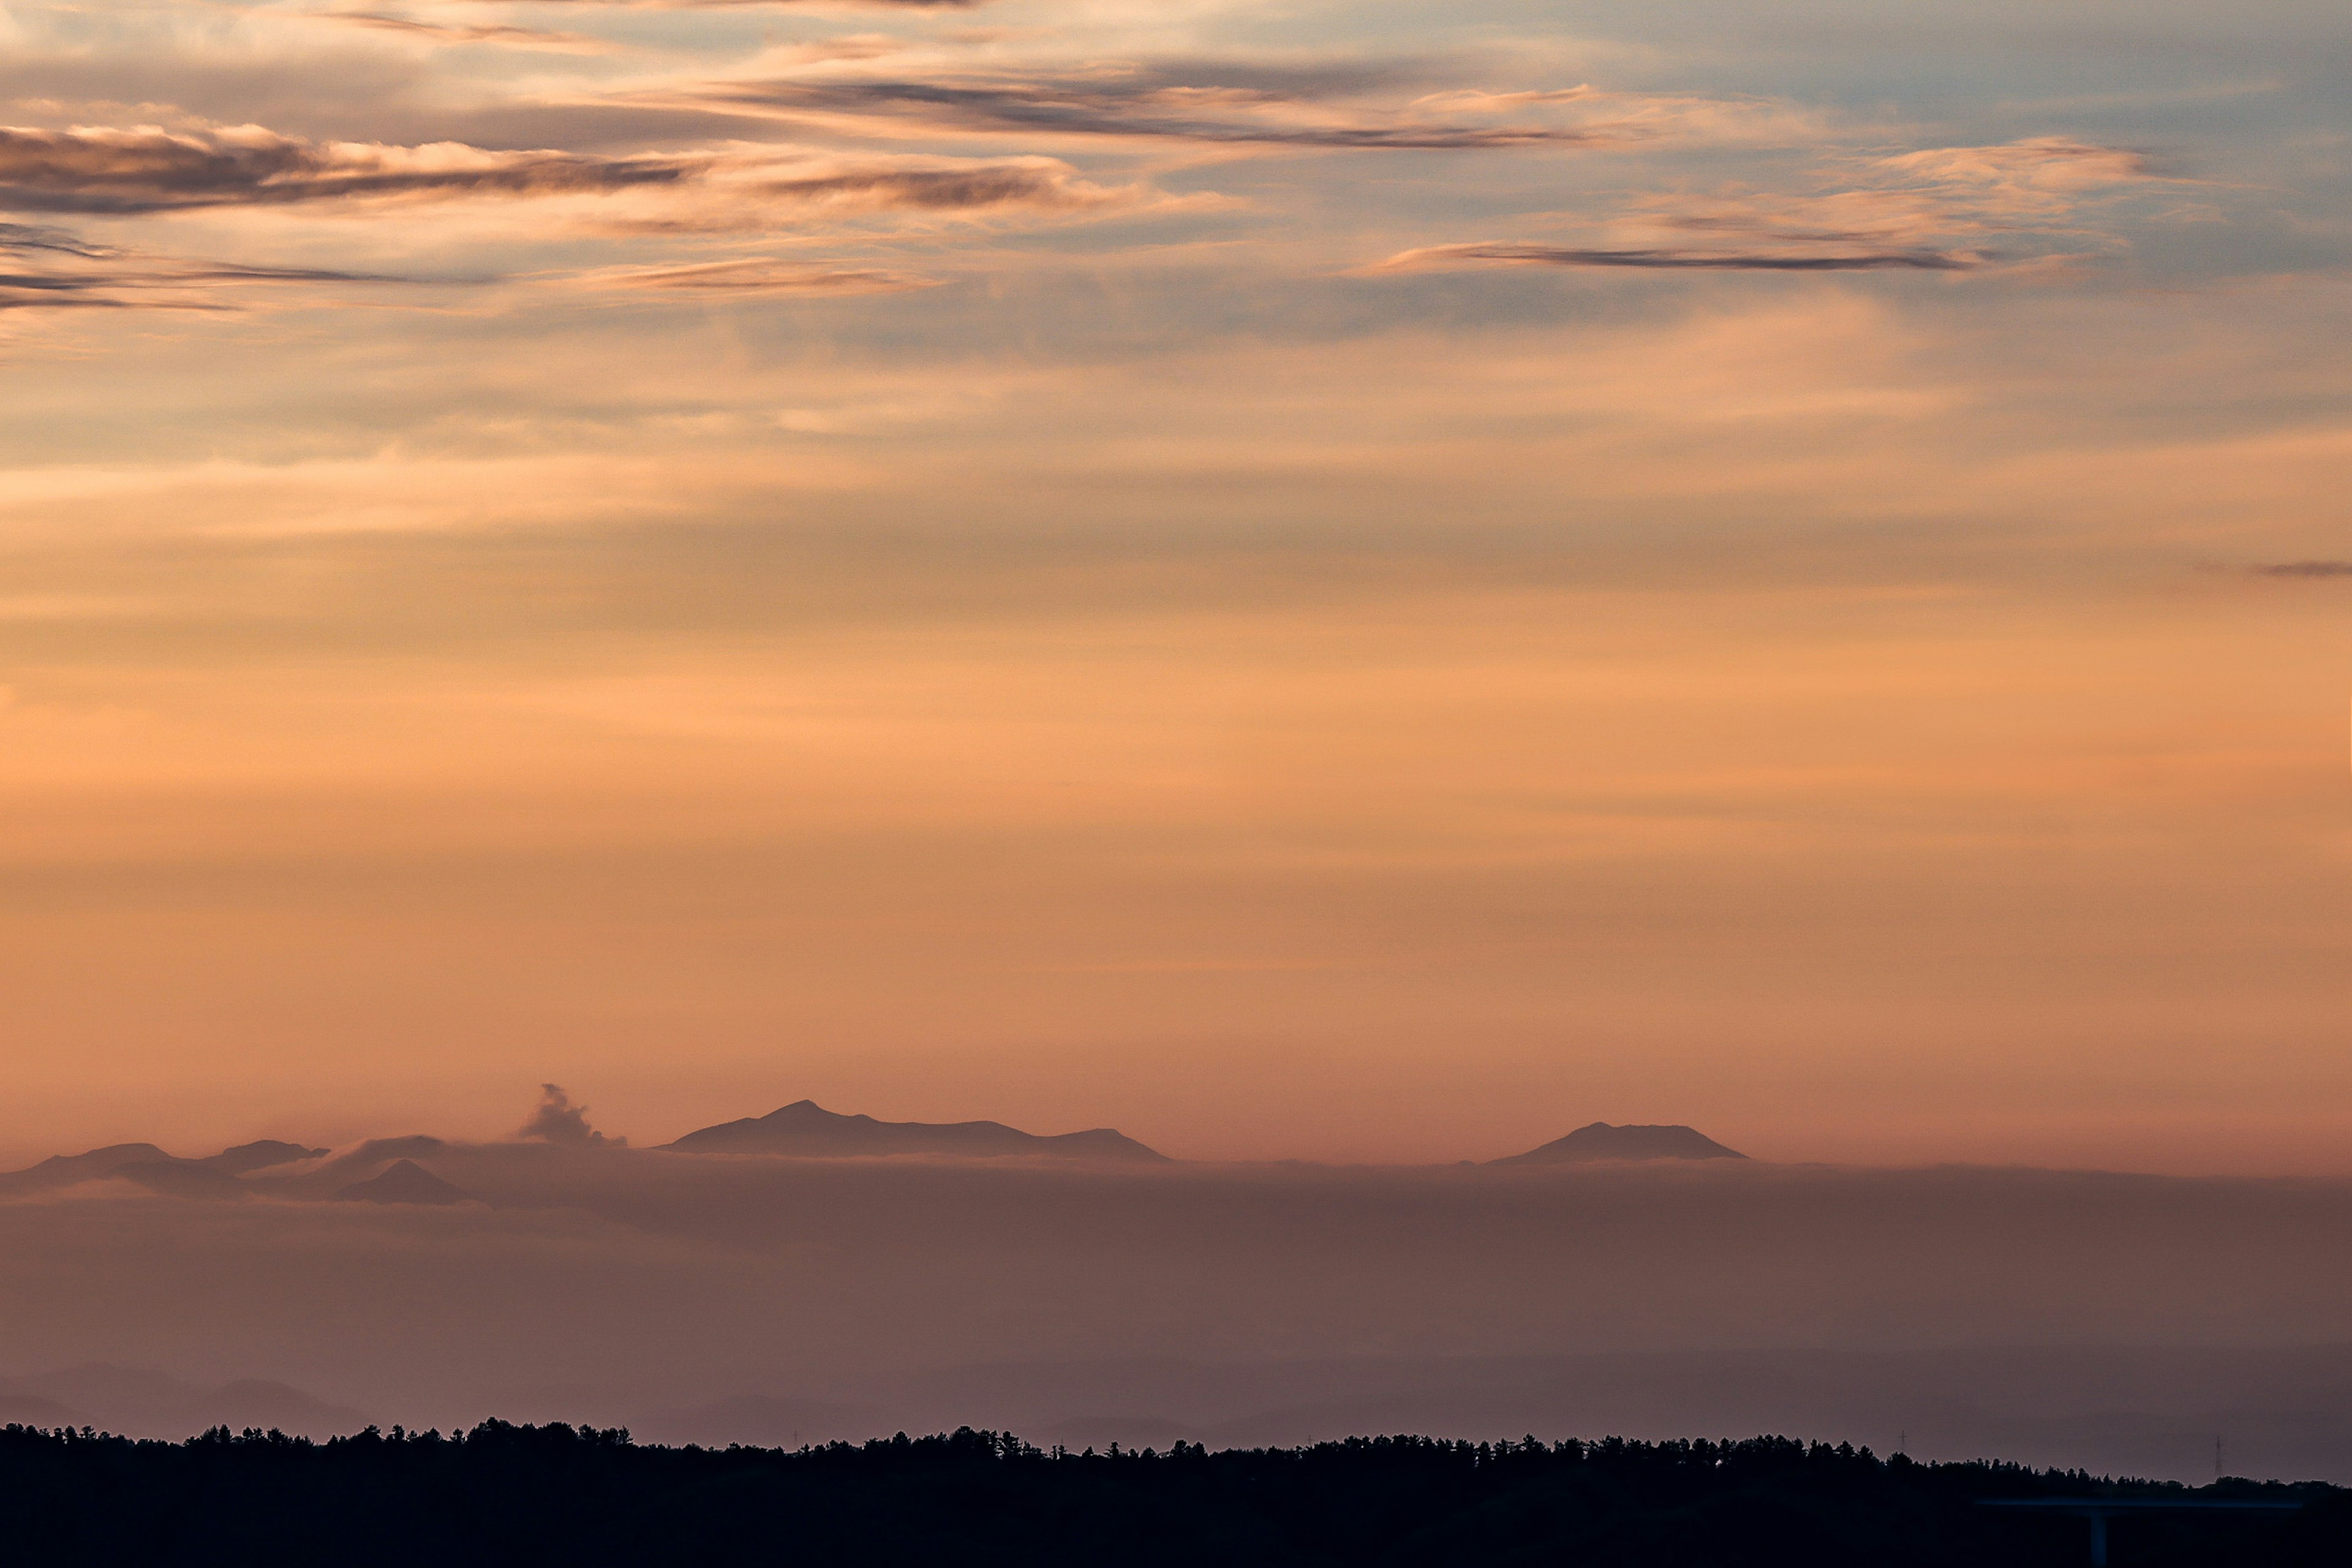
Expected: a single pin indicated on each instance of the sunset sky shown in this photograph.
(1348, 581)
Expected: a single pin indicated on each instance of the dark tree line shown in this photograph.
(523, 1495)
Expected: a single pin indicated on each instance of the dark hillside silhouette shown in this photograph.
(806, 1128)
(1601, 1141)
(504, 1494)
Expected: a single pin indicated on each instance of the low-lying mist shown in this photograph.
(2072, 1317)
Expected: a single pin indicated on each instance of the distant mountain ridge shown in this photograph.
(151, 1167)
(805, 1128)
(149, 1403)
(1600, 1141)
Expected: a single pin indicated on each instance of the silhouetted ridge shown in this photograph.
(806, 1128)
(1602, 1142)
(376, 1151)
(258, 1156)
(65, 1170)
(213, 1175)
(406, 1183)
(501, 1495)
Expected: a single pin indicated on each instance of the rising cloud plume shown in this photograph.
(557, 1120)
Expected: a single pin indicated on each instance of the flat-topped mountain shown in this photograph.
(806, 1128)
(1602, 1142)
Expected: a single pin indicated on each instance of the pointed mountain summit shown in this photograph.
(806, 1129)
(403, 1181)
(1602, 1142)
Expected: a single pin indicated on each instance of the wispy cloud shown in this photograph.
(148, 169)
(748, 4)
(502, 33)
(154, 284)
(1439, 256)
(753, 277)
(2032, 173)
(51, 268)
(35, 238)
(2303, 569)
(1945, 209)
(1218, 103)
(1026, 182)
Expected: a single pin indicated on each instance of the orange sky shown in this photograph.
(1356, 586)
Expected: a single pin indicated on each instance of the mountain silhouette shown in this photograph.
(213, 1175)
(151, 1404)
(405, 1182)
(257, 1156)
(376, 1151)
(1602, 1142)
(806, 1128)
(65, 1170)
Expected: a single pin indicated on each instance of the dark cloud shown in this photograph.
(1679, 261)
(147, 170)
(980, 185)
(25, 237)
(557, 1120)
(1238, 105)
(2303, 569)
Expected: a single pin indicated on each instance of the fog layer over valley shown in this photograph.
(2118, 1321)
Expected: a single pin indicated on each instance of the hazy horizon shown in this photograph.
(1314, 1139)
(2063, 1317)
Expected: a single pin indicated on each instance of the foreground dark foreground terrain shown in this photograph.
(509, 1494)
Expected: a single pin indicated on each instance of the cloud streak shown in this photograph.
(1232, 105)
(1432, 256)
(749, 5)
(1930, 211)
(49, 269)
(502, 33)
(147, 169)
(2303, 569)
(753, 277)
